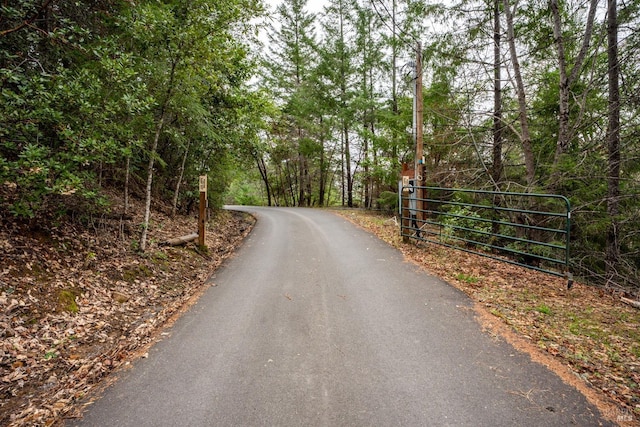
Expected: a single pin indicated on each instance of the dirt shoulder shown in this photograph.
(78, 301)
(586, 335)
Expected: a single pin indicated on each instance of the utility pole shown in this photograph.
(419, 162)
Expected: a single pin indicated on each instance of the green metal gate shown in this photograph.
(526, 229)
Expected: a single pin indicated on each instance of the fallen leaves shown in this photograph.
(78, 302)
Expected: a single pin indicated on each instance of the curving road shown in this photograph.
(317, 323)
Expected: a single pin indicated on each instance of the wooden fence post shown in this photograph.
(202, 216)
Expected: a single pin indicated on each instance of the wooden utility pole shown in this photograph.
(202, 216)
(420, 167)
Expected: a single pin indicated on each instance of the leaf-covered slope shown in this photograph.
(77, 301)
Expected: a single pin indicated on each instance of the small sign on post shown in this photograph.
(203, 209)
(405, 184)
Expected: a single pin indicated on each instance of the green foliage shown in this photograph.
(461, 223)
(243, 193)
(544, 309)
(82, 90)
(467, 278)
(388, 201)
(51, 354)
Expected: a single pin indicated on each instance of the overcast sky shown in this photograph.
(313, 6)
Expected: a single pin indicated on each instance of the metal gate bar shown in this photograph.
(540, 241)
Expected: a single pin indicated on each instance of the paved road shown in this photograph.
(317, 323)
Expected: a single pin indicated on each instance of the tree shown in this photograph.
(339, 71)
(405, 22)
(188, 58)
(523, 117)
(568, 77)
(497, 167)
(613, 140)
(368, 49)
(58, 116)
(289, 66)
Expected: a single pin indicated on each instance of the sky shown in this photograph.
(313, 6)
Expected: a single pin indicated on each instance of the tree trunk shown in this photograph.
(496, 170)
(567, 79)
(563, 119)
(282, 184)
(174, 206)
(525, 136)
(372, 125)
(342, 168)
(394, 84)
(375, 181)
(127, 174)
(301, 168)
(365, 142)
(344, 106)
(613, 141)
(147, 205)
(366, 183)
(307, 180)
(152, 156)
(262, 167)
(300, 180)
(290, 184)
(323, 179)
(347, 160)
(496, 167)
(323, 167)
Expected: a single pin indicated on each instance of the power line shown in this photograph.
(382, 18)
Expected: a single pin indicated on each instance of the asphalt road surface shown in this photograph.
(318, 323)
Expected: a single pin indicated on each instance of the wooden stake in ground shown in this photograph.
(203, 209)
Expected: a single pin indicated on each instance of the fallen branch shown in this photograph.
(631, 302)
(180, 240)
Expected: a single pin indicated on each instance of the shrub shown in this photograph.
(462, 224)
(388, 201)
